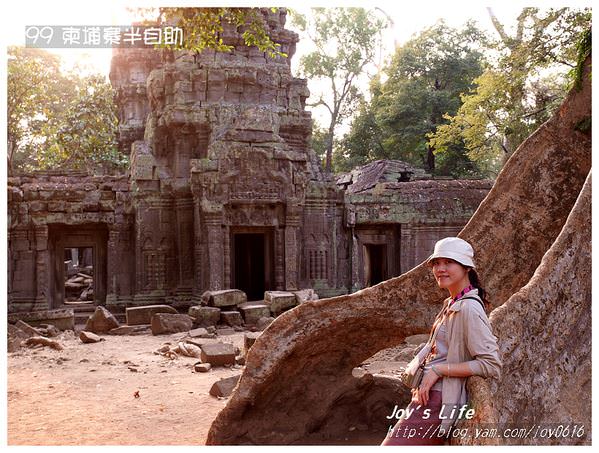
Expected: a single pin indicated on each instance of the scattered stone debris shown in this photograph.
(102, 321)
(279, 301)
(41, 341)
(224, 298)
(189, 349)
(164, 323)
(240, 360)
(130, 330)
(89, 337)
(143, 315)
(231, 318)
(204, 316)
(218, 354)
(224, 387)
(79, 287)
(202, 367)
(30, 331)
(253, 311)
(225, 331)
(48, 330)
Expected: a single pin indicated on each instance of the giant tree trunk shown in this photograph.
(299, 369)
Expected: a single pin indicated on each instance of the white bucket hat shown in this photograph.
(454, 248)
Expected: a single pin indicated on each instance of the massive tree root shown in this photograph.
(300, 367)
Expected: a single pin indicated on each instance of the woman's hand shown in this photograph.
(428, 380)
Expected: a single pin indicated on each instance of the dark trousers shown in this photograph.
(416, 429)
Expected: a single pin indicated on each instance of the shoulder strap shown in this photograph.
(480, 301)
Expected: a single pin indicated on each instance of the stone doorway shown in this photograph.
(252, 262)
(375, 263)
(78, 273)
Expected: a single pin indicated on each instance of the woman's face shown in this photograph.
(449, 273)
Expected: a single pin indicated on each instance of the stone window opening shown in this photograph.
(78, 275)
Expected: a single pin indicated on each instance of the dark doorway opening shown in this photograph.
(375, 263)
(79, 275)
(78, 254)
(252, 261)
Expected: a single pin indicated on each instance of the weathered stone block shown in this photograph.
(101, 321)
(279, 301)
(218, 354)
(248, 340)
(224, 387)
(231, 318)
(202, 367)
(130, 330)
(62, 319)
(225, 298)
(27, 329)
(252, 311)
(89, 337)
(205, 316)
(143, 315)
(163, 323)
(199, 333)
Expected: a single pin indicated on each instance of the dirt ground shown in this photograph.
(85, 394)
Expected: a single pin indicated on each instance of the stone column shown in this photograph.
(215, 239)
(292, 225)
(42, 261)
(406, 248)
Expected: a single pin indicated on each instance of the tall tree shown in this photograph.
(426, 77)
(346, 42)
(58, 120)
(521, 90)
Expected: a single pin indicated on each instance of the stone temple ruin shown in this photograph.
(224, 192)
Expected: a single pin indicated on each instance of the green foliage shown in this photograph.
(520, 91)
(584, 47)
(346, 40)
(426, 77)
(57, 120)
(203, 28)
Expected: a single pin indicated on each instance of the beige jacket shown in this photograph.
(469, 339)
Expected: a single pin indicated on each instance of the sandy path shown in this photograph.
(84, 395)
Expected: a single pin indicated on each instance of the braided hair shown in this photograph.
(475, 282)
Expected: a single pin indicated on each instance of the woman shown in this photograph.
(463, 346)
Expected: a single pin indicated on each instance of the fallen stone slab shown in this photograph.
(224, 387)
(218, 354)
(102, 321)
(202, 367)
(224, 298)
(143, 315)
(231, 318)
(204, 316)
(30, 331)
(14, 332)
(48, 330)
(130, 330)
(248, 340)
(225, 331)
(35, 341)
(252, 311)
(200, 332)
(164, 323)
(279, 301)
(89, 337)
(62, 319)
